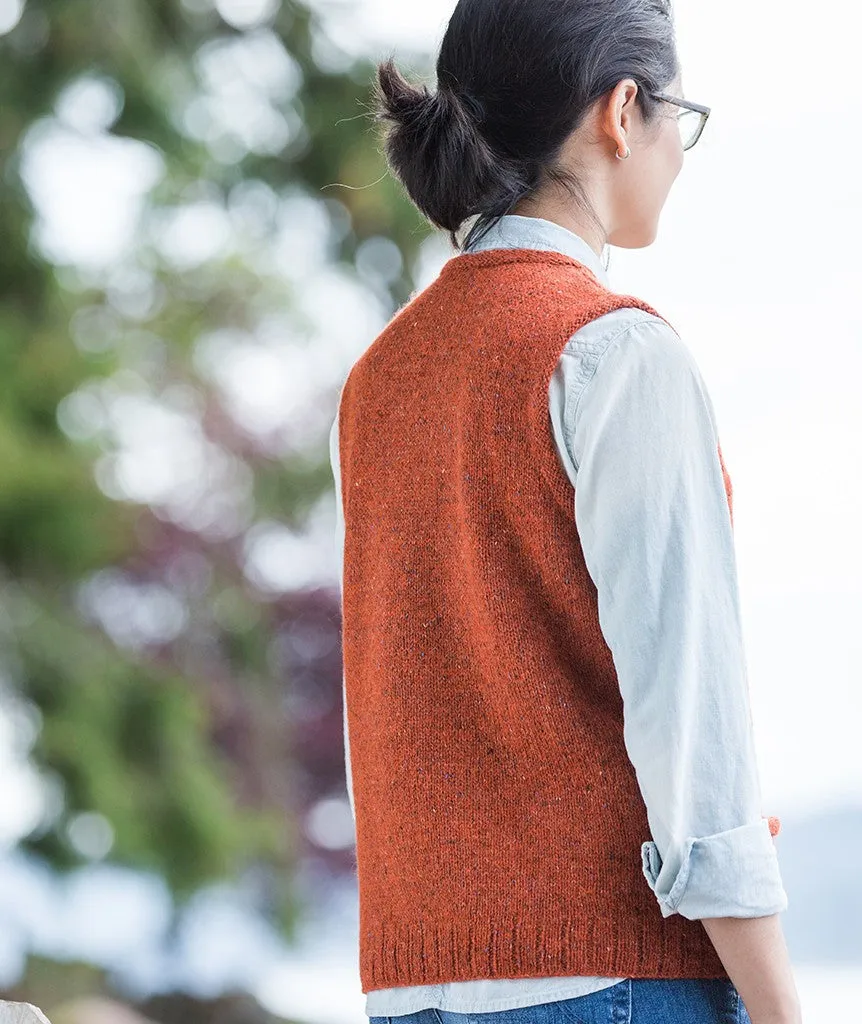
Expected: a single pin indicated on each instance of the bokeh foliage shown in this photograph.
(185, 736)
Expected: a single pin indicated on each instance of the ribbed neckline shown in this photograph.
(479, 258)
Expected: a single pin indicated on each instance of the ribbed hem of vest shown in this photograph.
(425, 954)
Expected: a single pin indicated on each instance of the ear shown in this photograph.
(617, 118)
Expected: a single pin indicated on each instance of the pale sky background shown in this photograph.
(755, 265)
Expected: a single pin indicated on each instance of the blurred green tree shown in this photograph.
(181, 692)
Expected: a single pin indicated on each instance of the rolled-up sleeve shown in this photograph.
(656, 532)
(730, 874)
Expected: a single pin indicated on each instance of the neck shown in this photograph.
(594, 237)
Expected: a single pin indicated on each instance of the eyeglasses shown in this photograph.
(691, 119)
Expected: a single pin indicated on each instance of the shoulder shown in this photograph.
(625, 358)
(628, 340)
(627, 328)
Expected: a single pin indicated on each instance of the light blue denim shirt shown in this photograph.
(636, 433)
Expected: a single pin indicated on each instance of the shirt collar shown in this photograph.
(514, 231)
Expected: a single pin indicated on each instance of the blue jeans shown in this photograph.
(633, 1001)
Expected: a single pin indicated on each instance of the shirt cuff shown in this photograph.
(728, 874)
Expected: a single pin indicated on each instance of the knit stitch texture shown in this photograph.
(498, 818)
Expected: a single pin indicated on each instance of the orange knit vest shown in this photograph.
(498, 818)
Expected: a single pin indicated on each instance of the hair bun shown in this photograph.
(436, 149)
(397, 98)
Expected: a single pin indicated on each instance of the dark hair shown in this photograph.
(514, 79)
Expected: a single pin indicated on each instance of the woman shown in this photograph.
(547, 729)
